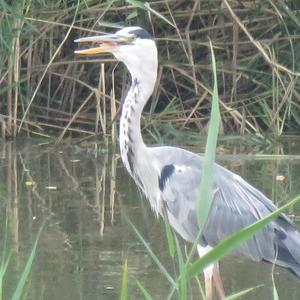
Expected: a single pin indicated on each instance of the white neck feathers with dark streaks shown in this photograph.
(143, 78)
(132, 145)
(135, 155)
(131, 141)
(137, 158)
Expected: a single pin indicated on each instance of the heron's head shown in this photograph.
(132, 45)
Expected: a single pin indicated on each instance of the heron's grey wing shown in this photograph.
(179, 185)
(236, 204)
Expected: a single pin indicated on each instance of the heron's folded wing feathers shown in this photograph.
(236, 204)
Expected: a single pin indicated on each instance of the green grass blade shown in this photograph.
(145, 293)
(132, 15)
(124, 287)
(182, 271)
(146, 6)
(290, 13)
(19, 289)
(201, 291)
(4, 242)
(4, 260)
(229, 243)
(158, 14)
(170, 238)
(205, 192)
(110, 24)
(153, 256)
(275, 294)
(136, 3)
(2, 273)
(238, 295)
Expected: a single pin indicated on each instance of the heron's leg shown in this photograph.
(208, 273)
(211, 274)
(218, 281)
(208, 276)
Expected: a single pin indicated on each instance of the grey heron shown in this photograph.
(170, 176)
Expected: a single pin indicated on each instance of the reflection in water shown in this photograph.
(83, 193)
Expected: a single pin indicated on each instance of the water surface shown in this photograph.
(83, 194)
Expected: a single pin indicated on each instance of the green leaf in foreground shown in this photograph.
(232, 241)
(124, 288)
(4, 265)
(238, 295)
(170, 239)
(19, 289)
(275, 294)
(154, 257)
(144, 291)
(183, 284)
(205, 197)
(4, 260)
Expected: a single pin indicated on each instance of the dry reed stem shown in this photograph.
(258, 44)
(234, 113)
(204, 95)
(113, 113)
(47, 67)
(67, 127)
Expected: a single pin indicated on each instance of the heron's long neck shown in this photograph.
(132, 145)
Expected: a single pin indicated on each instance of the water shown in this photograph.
(83, 194)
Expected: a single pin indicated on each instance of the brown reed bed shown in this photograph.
(46, 91)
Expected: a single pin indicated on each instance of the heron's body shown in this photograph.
(169, 176)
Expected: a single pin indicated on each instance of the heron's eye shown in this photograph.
(127, 39)
(130, 37)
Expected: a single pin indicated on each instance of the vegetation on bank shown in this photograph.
(45, 90)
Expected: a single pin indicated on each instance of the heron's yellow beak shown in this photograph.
(95, 50)
(101, 44)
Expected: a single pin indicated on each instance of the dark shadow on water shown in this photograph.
(83, 192)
